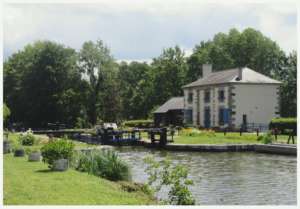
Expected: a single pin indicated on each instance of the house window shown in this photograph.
(221, 96)
(221, 116)
(190, 97)
(207, 96)
(188, 114)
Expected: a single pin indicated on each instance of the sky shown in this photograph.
(140, 30)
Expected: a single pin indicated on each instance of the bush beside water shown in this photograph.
(265, 138)
(103, 163)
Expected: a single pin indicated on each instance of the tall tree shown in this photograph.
(36, 80)
(288, 90)
(168, 75)
(96, 62)
(236, 49)
(135, 89)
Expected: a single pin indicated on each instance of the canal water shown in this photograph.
(227, 178)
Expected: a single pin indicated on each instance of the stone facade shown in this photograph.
(231, 104)
(260, 103)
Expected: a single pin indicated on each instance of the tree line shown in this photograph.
(47, 82)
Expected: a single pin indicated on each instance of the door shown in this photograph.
(226, 114)
(207, 117)
(244, 126)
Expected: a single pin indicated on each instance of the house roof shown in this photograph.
(175, 103)
(231, 75)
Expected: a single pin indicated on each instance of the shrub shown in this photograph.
(139, 123)
(175, 177)
(103, 163)
(266, 138)
(283, 123)
(27, 138)
(57, 149)
(29, 150)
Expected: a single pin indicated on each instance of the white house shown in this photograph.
(231, 98)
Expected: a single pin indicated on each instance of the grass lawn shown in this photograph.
(219, 138)
(32, 183)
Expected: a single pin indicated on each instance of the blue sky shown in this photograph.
(139, 30)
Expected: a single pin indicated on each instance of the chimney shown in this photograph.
(240, 73)
(206, 70)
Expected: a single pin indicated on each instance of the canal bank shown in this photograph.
(283, 149)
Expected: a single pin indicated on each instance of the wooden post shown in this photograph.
(257, 132)
(152, 137)
(241, 131)
(276, 132)
(163, 137)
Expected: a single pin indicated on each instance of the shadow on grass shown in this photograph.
(46, 171)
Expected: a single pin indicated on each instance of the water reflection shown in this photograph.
(227, 178)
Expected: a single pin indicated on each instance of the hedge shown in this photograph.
(283, 123)
(139, 123)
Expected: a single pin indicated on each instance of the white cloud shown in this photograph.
(139, 30)
(275, 23)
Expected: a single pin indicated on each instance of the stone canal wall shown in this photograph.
(262, 148)
(284, 149)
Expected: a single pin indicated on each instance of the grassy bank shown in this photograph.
(229, 138)
(32, 183)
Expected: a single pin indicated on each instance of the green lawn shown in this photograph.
(32, 183)
(219, 138)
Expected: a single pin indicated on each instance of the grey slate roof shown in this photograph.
(175, 103)
(230, 75)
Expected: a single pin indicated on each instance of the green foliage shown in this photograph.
(168, 77)
(48, 82)
(103, 163)
(287, 74)
(283, 123)
(31, 149)
(138, 123)
(42, 84)
(6, 112)
(82, 122)
(284, 120)
(57, 149)
(175, 177)
(98, 65)
(27, 138)
(247, 48)
(135, 89)
(266, 138)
